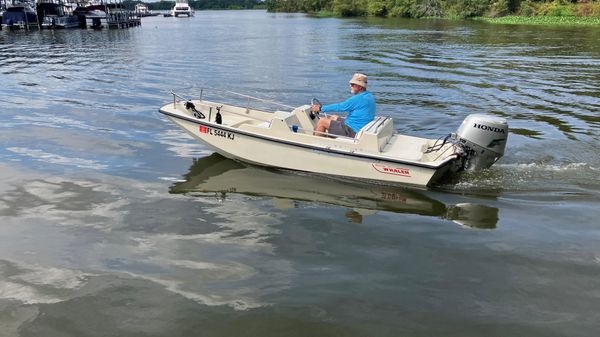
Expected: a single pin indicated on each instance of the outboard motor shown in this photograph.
(483, 139)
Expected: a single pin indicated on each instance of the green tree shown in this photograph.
(350, 7)
(466, 8)
(432, 8)
(403, 8)
(428, 8)
(379, 7)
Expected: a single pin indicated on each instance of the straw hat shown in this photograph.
(359, 79)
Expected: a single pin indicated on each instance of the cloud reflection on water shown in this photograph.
(99, 226)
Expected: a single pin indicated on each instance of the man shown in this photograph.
(360, 108)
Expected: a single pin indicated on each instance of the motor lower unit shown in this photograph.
(482, 139)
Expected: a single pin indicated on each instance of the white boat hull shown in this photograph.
(262, 144)
(182, 13)
(235, 145)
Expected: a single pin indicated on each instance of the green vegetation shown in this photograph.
(561, 11)
(544, 20)
(325, 14)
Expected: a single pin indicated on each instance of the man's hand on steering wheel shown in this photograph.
(315, 108)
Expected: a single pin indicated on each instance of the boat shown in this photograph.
(55, 14)
(19, 14)
(286, 139)
(221, 177)
(93, 14)
(100, 14)
(96, 18)
(142, 10)
(182, 8)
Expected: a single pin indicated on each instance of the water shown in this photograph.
(114, 223)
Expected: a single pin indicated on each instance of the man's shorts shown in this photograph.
(340, 128)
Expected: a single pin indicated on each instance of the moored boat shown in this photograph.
(142, 10)
(101, 14)
(286, 139)
(56, 14)
(92, 14)
(182, 8)
(19, 14)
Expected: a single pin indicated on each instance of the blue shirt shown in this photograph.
(360, 109)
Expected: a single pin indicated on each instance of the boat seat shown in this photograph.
(376, 134)
(379, 125)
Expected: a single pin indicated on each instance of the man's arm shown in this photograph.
(344, 106)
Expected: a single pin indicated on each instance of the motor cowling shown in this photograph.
(483, 139)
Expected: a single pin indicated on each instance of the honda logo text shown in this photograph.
(488, 128)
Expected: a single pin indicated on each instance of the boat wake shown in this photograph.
(542, 177)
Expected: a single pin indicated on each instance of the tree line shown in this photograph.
(439, 8)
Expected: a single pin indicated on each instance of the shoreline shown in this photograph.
(502, 20)
(542, 20)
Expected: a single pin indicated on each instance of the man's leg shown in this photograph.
(323, 124)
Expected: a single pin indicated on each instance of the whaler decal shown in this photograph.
(397, 171)
(217, 132)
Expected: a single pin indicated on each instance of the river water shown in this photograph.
(115, 223)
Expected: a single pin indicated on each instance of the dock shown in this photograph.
(61, 14)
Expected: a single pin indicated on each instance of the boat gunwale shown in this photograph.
(443, 163)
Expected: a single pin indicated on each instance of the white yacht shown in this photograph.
(182, 8)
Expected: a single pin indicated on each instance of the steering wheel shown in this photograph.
(315, 101)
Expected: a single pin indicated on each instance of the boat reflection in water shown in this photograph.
(217, 174)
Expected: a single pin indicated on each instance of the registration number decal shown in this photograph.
(397, 171)
(394, 197)
(217, 132)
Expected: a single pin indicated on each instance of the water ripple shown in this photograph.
(427, 75)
